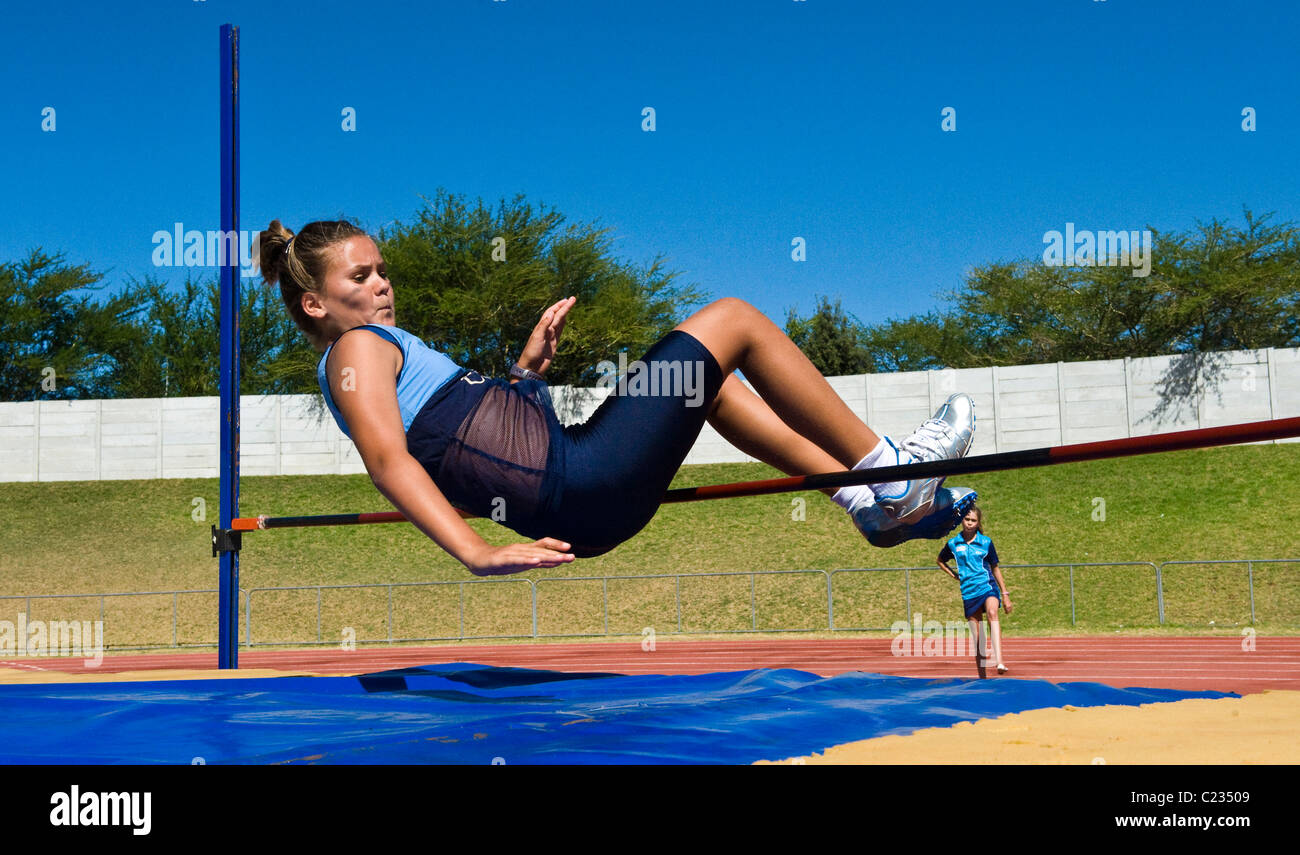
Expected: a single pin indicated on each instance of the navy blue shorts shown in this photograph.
(497, 449)
(618, 464)
(974, 604)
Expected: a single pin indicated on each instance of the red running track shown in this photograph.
(1218, 663)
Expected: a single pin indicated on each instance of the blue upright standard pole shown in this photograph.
(224, 544)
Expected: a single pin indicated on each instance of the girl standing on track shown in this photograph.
(435, 436)
(982, 586)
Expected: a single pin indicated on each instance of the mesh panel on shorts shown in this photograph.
(499, 452)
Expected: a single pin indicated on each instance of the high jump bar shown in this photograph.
(1024, 459)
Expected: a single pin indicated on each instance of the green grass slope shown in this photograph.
(1230, 503)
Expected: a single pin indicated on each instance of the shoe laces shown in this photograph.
(930, 440)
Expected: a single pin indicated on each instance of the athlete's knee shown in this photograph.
(737, 305)
(730, 307)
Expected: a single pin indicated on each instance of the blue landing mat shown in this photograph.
(464, 713)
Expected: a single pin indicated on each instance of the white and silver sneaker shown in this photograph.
(949, 506)
(946, 436)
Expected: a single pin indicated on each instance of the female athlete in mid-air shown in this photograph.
(435, 436)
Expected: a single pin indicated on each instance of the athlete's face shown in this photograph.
(970, 522)
(356, 289)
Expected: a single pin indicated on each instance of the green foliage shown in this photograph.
(1230, 288)
(169, 351)
(46, 325)
(276, 358)
(147, 341)
(451, 291)
(156, 340)
(172, 349)
(832, 339)
(1217, 287)
(919, 343)
(1035, 516)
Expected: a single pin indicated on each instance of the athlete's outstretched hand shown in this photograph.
(518, 557)
(540, 349)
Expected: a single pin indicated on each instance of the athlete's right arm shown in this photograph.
(945, 555)
(362, 372)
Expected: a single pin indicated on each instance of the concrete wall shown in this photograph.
(1025, 406)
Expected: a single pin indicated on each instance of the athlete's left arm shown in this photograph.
(540, 349)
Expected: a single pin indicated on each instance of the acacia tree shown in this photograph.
(832, 339)
(55, 334)
(472, 280)
(171, 349)
(1229, 288)
(1215, 287)
(920, 343)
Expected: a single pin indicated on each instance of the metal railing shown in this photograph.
(176, 643)
(677, 598)
(1070, 568)
(1074, 620)
(533, 615)
(1250, 574)
(388, 586)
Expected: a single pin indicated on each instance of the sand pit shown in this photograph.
(1257, 728)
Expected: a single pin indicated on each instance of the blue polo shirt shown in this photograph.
(975, 563)
(424, 371)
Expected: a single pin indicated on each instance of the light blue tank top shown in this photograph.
(424, 372)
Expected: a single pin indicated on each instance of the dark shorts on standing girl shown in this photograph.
(974, 604)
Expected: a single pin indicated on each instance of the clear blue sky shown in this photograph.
(775, 119)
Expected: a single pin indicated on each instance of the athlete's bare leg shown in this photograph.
(742, 338)
(747, 422)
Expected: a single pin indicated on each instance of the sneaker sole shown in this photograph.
(894, 536)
